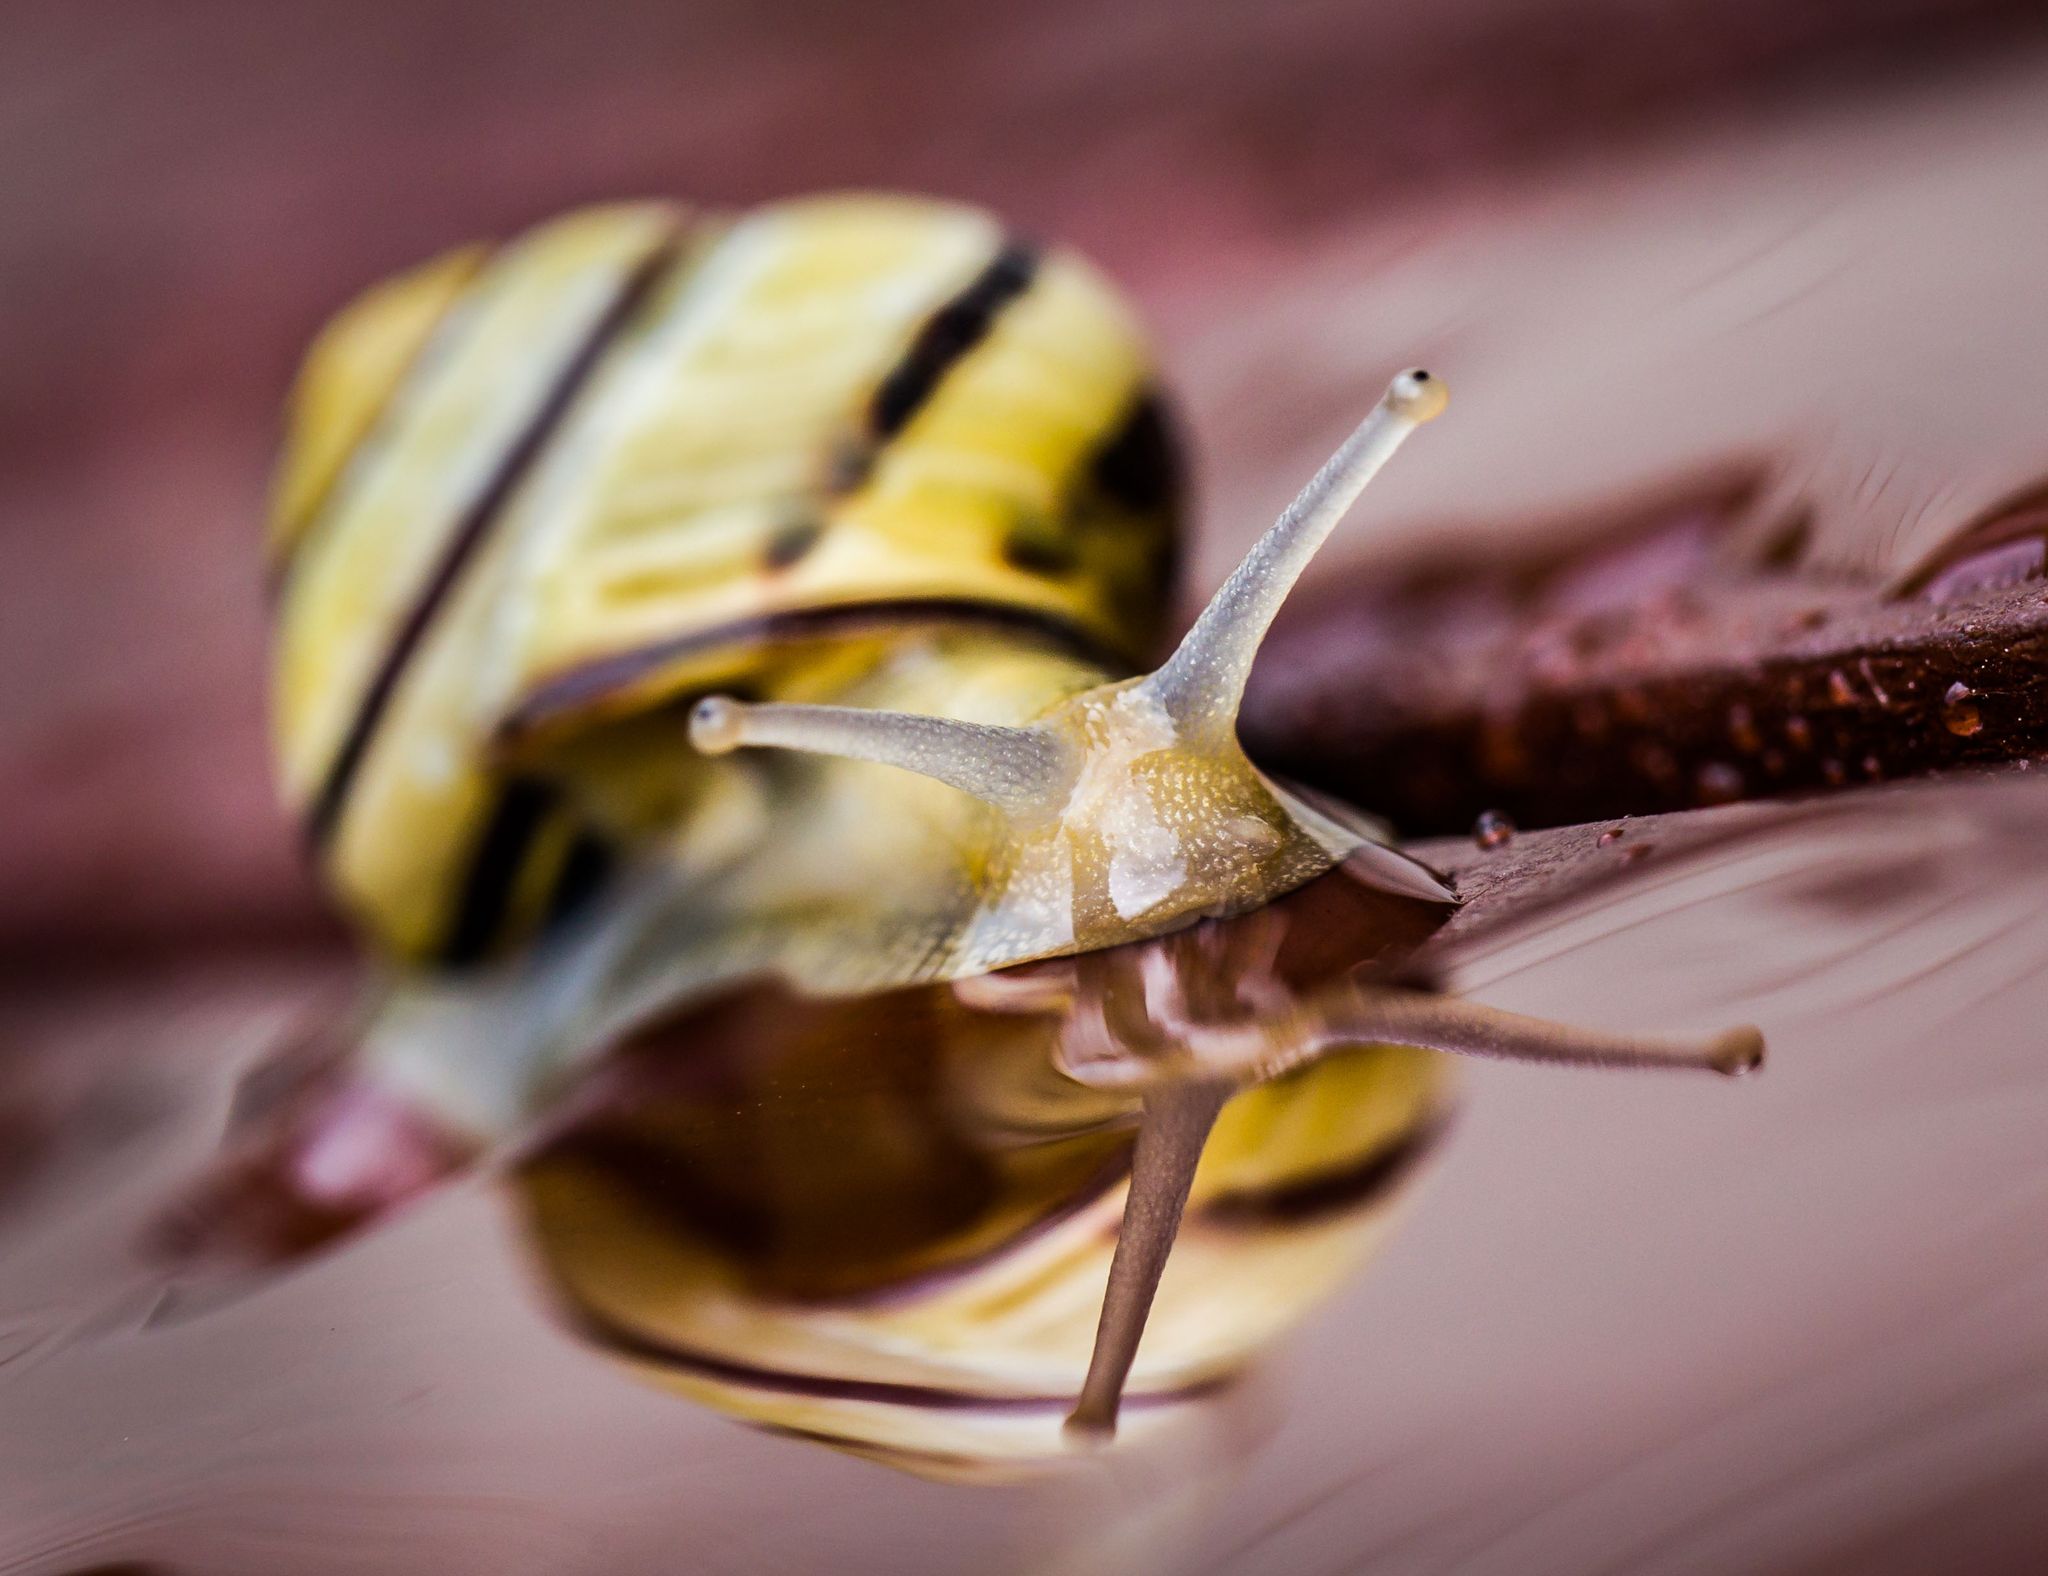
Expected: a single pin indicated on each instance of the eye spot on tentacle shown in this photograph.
(1417, 396)
(715, 725)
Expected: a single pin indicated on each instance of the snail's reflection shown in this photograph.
(888, 1222)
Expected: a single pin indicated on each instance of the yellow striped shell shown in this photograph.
(637, 453)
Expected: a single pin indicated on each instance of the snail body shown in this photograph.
(674, 606)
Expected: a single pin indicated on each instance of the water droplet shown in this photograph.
(1873, 768)
(1959, 713)
(1833, 773)
(1798, 732)
(1613, 834)
(1635, 853)
(1773, 763)
(1717, 783)
(1492, 829)
(1742, 729)
(1840, 690)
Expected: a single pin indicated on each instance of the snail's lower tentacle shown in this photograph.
(1174, 1126)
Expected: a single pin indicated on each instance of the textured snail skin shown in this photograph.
(852, 452)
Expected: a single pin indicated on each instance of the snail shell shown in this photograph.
(535, 493)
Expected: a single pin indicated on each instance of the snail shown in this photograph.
(681, 610)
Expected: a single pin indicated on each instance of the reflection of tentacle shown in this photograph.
(1176, 1125)
(1248, 1051)
(1353, 1013)
(1097, 1049)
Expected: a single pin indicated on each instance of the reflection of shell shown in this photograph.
(638, 452)
(854, 1222)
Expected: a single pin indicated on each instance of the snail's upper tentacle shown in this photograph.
(1018, 770)
(1202, 683)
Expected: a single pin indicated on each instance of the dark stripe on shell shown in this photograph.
(574, 688)
(471, 530)
(1115, 1170)
(947, 336)
(1139, 467)
(432, 349)
(585, 869)
(789, 545)
(1040, 546)
(622, 1341)
(1372, 1180)
(522, 812)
